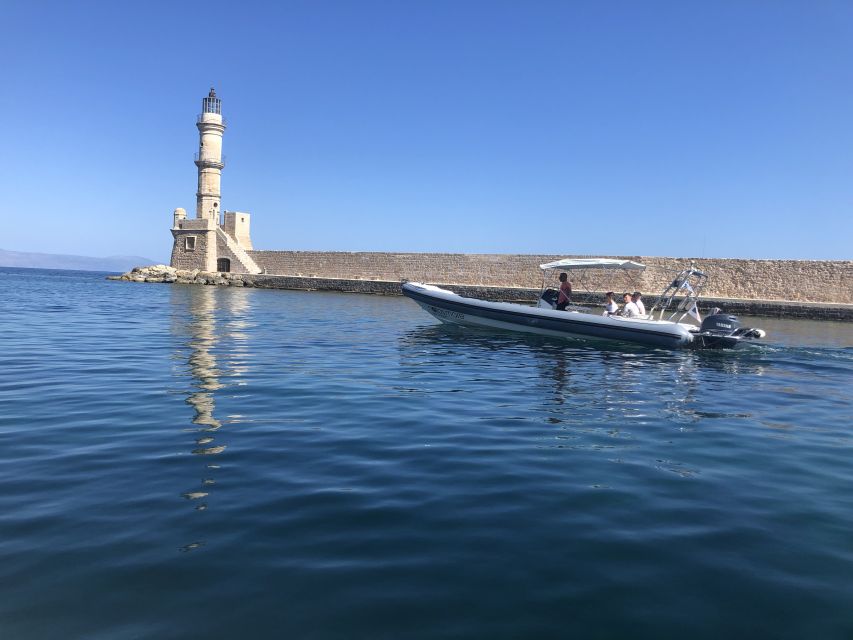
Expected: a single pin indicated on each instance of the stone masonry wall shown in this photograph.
(792, 280)
(183, 259)
(222, 251)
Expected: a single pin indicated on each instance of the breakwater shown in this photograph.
(820, 281)
(755, 307)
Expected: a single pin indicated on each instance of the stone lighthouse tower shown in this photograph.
(211, 126)
(213, 241)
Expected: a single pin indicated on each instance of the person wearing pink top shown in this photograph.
(565, 296)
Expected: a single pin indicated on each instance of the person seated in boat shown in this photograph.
(610, 306)
(629, 309)
(637, 299)
(565, 296)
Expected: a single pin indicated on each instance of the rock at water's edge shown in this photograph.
(163, 273)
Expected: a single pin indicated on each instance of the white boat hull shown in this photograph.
(455, 309)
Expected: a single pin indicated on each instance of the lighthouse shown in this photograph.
(215, 240)
(211, 126)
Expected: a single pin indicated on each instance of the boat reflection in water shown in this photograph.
(614, 387)
(598, 401)
(210, 326)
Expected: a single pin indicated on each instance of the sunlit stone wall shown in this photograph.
(203, 254)
(793, 280)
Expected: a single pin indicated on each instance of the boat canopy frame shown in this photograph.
(570, 264)
(582, 265)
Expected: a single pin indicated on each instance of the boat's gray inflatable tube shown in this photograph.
(455, 309)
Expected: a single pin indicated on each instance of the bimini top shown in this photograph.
(593, 263)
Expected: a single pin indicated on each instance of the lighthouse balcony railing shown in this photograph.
(200, 118)
(197, 157)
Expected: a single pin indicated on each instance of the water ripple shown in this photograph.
(182, 461)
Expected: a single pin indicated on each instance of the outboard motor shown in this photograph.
(720, 324)
(723, 331)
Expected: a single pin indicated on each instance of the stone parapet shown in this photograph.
(194, 224)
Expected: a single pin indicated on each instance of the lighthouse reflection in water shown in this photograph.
(211, 348)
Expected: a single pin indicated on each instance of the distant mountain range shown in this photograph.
(79, 263)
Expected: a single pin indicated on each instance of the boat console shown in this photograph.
(548, 299)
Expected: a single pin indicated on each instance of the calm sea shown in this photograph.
(202, 462)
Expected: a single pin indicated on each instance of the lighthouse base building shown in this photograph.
(215, 240)
(206, 245)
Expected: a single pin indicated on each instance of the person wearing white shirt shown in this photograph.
(610, 306)
(637, 300)
(630, 310)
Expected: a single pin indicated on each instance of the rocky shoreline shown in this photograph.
(169, 275)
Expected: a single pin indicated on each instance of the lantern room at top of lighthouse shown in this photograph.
(212, 104)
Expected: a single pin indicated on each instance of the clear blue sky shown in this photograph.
(659, 128)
